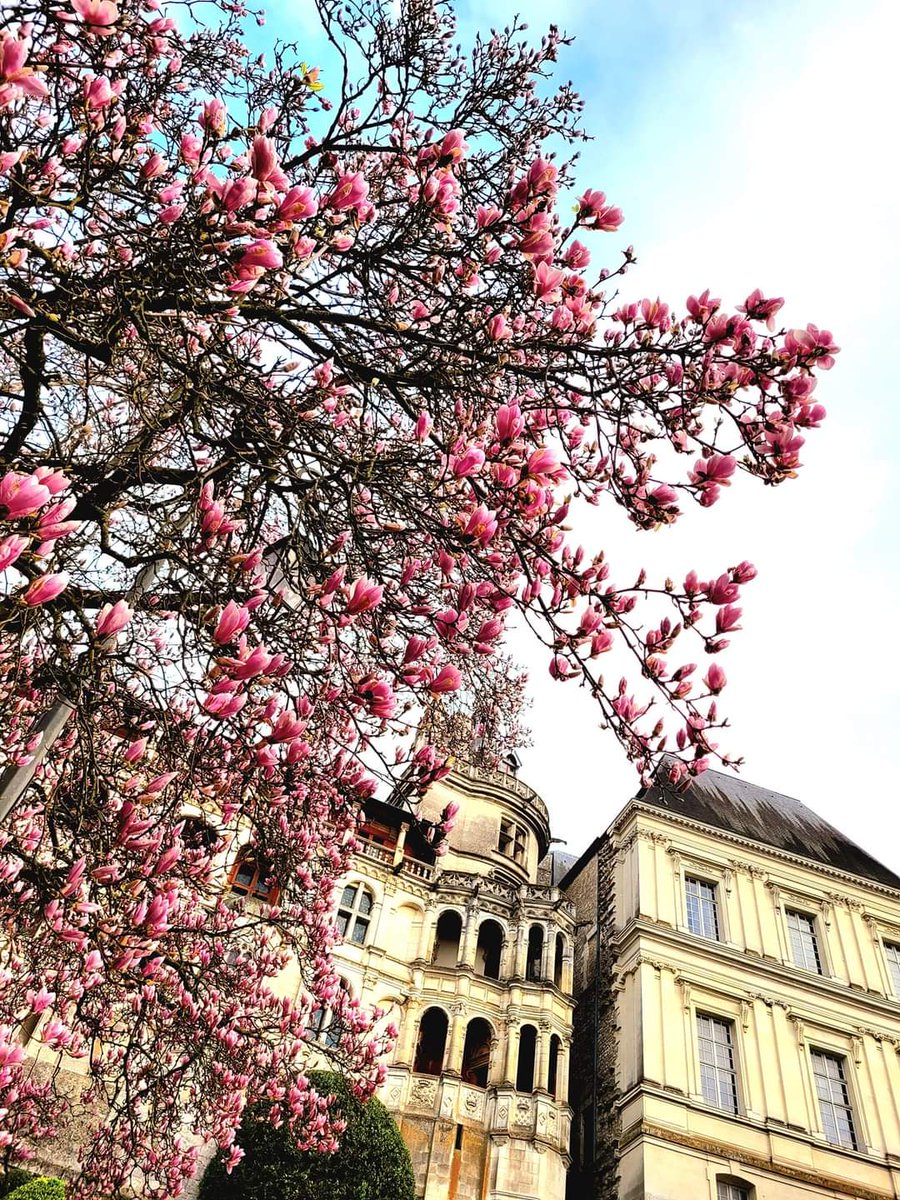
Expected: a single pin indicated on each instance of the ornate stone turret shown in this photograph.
(472, 958)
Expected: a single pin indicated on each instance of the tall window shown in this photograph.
(892, 954)
(355, 913)
(804, 942)
(702, 908)
(718, 1076)
(834, 1099)
(726, 1190)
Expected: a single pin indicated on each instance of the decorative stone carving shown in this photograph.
(423, 1093)
(523, 1111)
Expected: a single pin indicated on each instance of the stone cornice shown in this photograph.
(759, 1162)
(636, 806)
(859, 1006)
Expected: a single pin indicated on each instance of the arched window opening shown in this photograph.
(489, 950)
(198, 835)
(477, 1053)
(535, 953)
(527, 1051)
(446, 939)
(431, 1043)
(558, 956)
(251, 876)
(553, 1067)
(355, 913)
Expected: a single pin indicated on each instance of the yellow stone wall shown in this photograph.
(469, 1142)
(676, 1145)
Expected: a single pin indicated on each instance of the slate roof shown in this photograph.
(557, 864)
(731, 803)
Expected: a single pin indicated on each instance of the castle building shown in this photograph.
(737, 980)
(471, 957)
(704, 1006)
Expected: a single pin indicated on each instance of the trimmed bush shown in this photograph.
(372, 1163)
(14, 1178)
(41, 1187)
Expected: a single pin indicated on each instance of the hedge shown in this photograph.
(372, 1163)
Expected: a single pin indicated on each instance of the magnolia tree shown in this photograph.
(298, 388)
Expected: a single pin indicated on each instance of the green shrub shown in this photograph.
(372, 1163)
(14, 1178)
(41, 1187)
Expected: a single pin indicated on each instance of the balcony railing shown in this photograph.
(497, 1110)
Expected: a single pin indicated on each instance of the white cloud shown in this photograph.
(762, 156)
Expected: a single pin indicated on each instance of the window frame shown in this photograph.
(255, 889)
(732, 1071)
(847, 1105)
(815, 933)
(730, 1188)
(688, 879)
(512, 841)
(352, 916)
(892, 965)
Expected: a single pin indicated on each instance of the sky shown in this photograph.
(755, 145)
(752, 145)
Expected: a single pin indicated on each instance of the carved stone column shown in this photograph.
(542, 1057)
(470, 938)
(426, 934)
(521, 949)
(406, 1040)
(512, 1052)
(549, 951)
(453, 1061)
(562, 1074)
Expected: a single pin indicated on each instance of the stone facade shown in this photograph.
(756, 991)
(472, 959)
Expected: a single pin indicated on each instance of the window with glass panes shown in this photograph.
(731, 1191)
(252, 877)
(355, 913)
(834, 1099)
(702, 908)
(892, 954)
(804, 942)
(718, 1075)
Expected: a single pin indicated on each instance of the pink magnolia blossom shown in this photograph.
(98, 92)
(758, 308)
(595, 213)
(264, 163)
(350, 193)
(481, 525)
(715, 679)
(378, 696)
(298, 203)
(214, 118)
(448, 679)
(15, 78)
(112, 618)
(468, 462)
(727, 618)
(45, 588)
(22, 495)
(11, 548)
(232, 621)
(99, 15)
(364, 596)
(453, 146)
